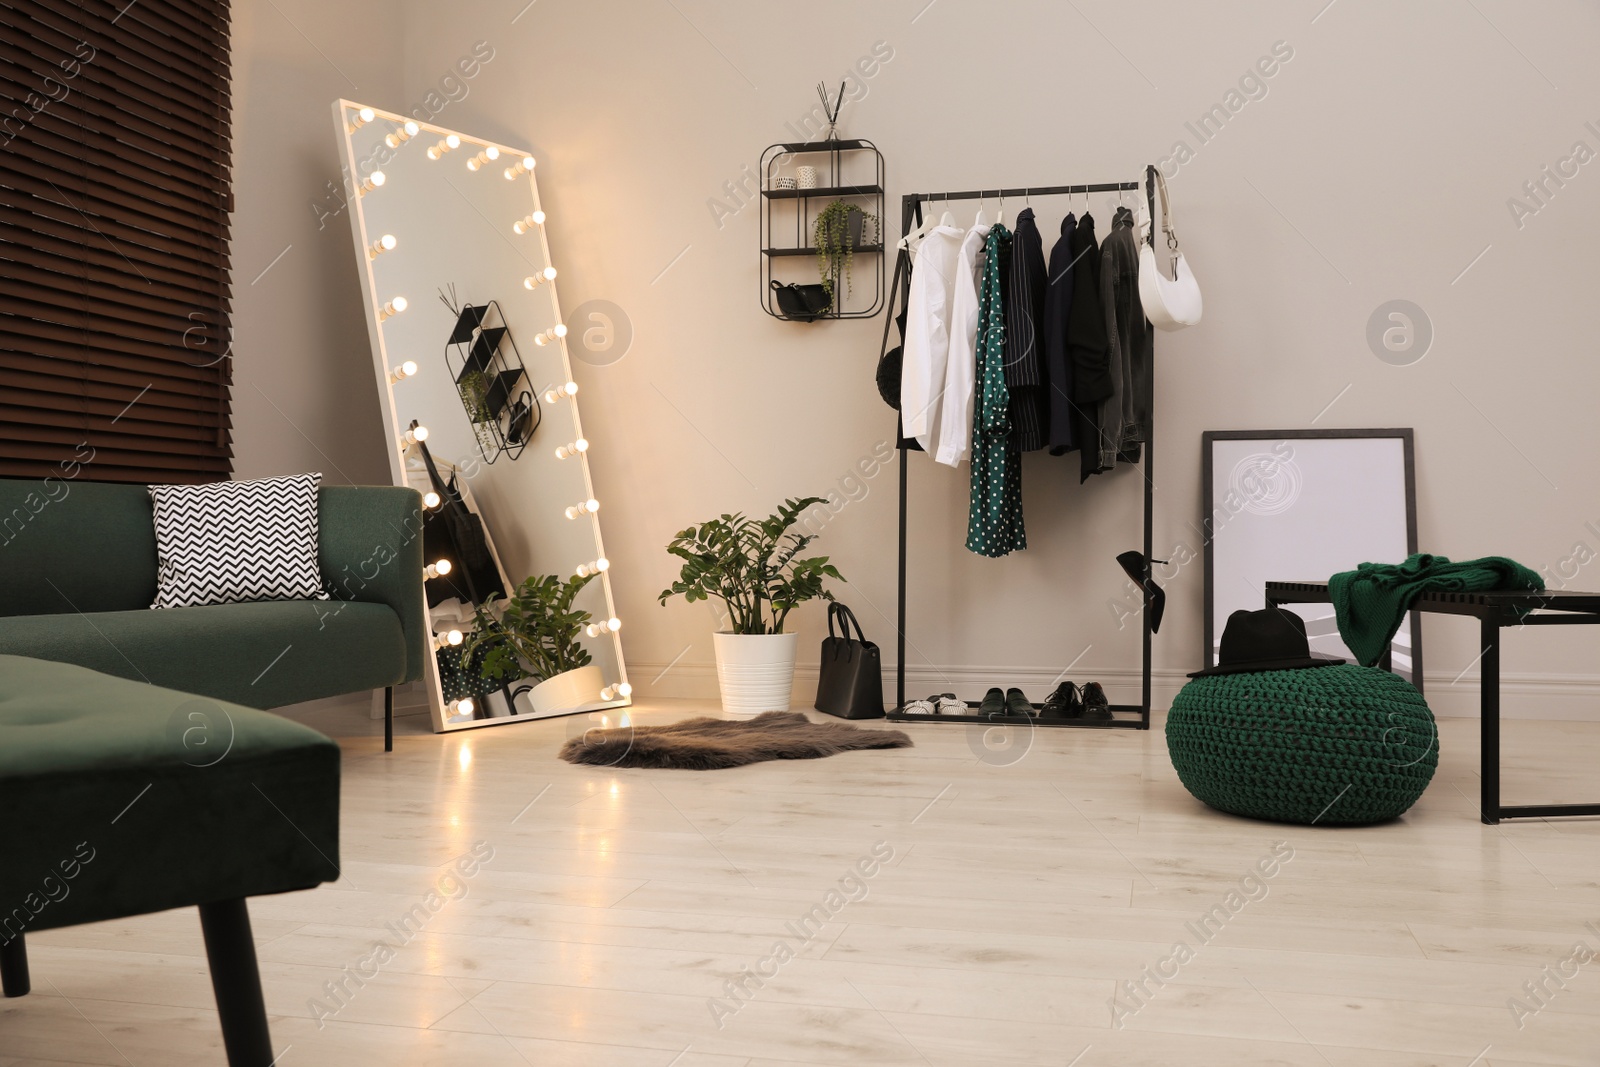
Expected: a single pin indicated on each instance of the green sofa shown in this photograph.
(78, 575)
(127, 799)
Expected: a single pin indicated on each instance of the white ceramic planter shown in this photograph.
(568, 691)
(755, 671)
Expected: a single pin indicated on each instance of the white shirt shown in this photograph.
(927, 344)
(953, 439)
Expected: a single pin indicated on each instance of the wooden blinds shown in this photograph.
(114, 202)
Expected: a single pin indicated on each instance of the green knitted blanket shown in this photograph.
(1371, 601)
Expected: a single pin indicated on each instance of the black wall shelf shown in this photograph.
(850, 170)
(481, 344)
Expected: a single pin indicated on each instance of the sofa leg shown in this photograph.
(388, 718)
(231, 951)
(14, 967)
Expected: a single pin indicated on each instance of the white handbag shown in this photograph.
(1169, 303)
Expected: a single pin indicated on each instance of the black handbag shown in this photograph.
(889, 359)
(850, 684)
(452, 531)
(802, 303)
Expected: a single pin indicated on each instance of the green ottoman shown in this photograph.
(125, 798)
(1341, 745)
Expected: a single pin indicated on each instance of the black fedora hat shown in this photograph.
(1272, 639)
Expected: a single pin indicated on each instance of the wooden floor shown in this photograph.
(1022, 888)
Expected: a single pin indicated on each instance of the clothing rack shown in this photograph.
(911, 215)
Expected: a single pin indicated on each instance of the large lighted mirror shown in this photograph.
(470, 355)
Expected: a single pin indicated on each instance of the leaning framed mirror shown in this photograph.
(481, 410)
(1301, 505)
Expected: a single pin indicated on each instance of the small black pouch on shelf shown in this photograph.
(850, 684)
(802, 303)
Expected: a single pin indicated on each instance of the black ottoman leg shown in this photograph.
(388, 719)
(231, 952)
(14, 967)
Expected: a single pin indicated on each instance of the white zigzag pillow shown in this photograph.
(228, 542)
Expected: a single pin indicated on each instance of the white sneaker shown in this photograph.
(919, 707)
(947, 704)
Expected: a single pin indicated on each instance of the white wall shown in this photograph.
(1377, 166)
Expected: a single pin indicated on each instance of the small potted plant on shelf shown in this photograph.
(752, 566)
(534, 634)
(837, 232)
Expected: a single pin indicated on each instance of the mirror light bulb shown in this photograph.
(373, 181)
(413, 436)
(438, 569)
(392, 308)
(624, 689)
(577, 447)
(386, 243)
(403, 371)
(363, 116)
(533, 281)
(452, 141)
(453, 637)
(613, 624)
(554, 333)
(430, 499)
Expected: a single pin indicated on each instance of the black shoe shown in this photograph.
(1018, 705)
(1133, 565)
(1064, 703)
(1095, 705)
(994, 704)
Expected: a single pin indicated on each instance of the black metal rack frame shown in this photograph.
(478, 342)
(1122, 714)
(834, 189)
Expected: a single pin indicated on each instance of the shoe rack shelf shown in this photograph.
(1131, 717)
(788, 217)
(1123, 716)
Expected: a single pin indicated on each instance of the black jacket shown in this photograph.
(1086, 343)
(1057, 361)
(1025, 370)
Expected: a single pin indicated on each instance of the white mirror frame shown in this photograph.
(344, 112)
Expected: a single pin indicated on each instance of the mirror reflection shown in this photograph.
(474, 378)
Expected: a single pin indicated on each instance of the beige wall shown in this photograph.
(1377, 166)
(303, 396)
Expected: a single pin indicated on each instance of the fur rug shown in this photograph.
(708, 744)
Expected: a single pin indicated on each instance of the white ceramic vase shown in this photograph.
(755, 671)
(567, 691)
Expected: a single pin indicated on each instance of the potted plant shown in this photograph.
(837, 233)
(753, 567)
(534, 634)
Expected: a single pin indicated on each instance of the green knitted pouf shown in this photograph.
(1341, 745)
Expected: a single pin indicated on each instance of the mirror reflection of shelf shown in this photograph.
(493, 383)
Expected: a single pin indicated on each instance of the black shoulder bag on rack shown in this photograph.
(889, 358)
(451, 531)
(851, 682)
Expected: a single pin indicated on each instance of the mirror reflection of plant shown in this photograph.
(831, 237)
(474, 387)
(745, 562)
(534, 632)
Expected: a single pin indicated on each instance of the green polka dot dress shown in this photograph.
(994, 523)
